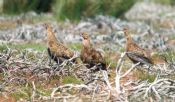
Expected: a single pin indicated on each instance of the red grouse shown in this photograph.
(90, 56)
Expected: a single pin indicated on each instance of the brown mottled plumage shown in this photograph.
(91, 56)
(134, 52)
(56, 50)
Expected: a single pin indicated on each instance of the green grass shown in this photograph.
(44, 92)
(144, 76)
(38, 47)
(22, 93)
(172, 37)
(76, 9)
(165, 2)
(69, 9)
(19, 6)
(18, 95)
(148, 77)
(75, 46)
(169, 55)
(25, 91)
(112, 63)
(70, 80)
(2, 48)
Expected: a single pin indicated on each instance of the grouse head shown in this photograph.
(47, 26)
(86, 40)
(126, 32)
(85, 35)
(127, 35)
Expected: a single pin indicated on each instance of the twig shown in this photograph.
(33, 91)
(133, 66)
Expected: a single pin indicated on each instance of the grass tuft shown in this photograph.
(144, 76)
(70, 80)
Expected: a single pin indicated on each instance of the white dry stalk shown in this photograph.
(117, 83)
(33, 91)
(150, 87)
(138, 87)
(53, 92)
(156, 81)
(157, 94)
(105, 75)
(133, 66)
(106, 78)
(74, 56)
(118, 72)
(94, 92)
(119, 63)
(118, 69)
